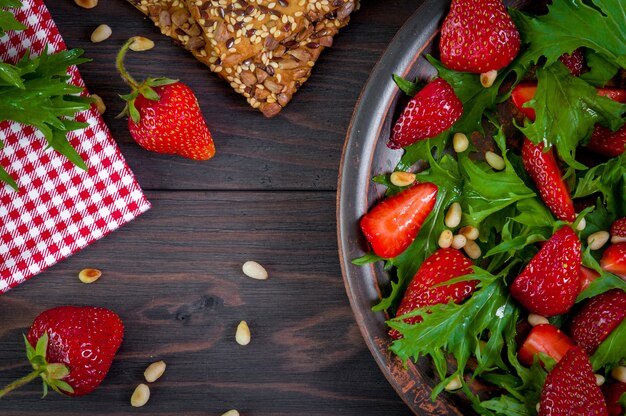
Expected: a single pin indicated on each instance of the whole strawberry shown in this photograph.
(478, 36)
(165, 116)
(71, 348)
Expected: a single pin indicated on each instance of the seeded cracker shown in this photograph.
(265, 49)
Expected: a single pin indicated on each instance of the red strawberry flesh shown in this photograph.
(614, 259)
(545, 173)
(570, 388)
(598, 317)
(85, 339)
(606, 142)
(547, 339)
(433, 110)
(392, 225)
(613, 391)
(443, 265)
(618, 228)
(478, 36)
(549, 284)
(575, 62)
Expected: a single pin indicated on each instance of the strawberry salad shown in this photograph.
(509, 265)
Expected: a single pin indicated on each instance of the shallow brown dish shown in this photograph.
(365, 155)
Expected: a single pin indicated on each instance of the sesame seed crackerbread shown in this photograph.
(265, 49)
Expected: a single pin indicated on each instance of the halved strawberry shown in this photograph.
(545, 173)
(443, 265)
(550, 282)
(618, 231)
(433, 110)
(612, 394)
(478, 36)
(547, 339)
(598, 317)
(614, 259)
(570, 388)
(587, 276)
(575, 62)
(391, 226)
(615, 94)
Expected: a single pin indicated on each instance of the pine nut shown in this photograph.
(154, 371)
(537, 407)
(445, 239)
(472, 249)
(454, 384)
(487, 78)
(89, 275)
(599, 379)
(459, 241)
(141, 44)
(460, 143)
(99, 103)
(618, 239)
(619, 373)
(581, 224)
(86, 4)
(597, 240)
(101, 33)
(254, 270)
(535, 319)
(140, 396)
(402, 178)
(242, 336)
(494, 160)
(232, 412)
(453, 216)
(470, 232)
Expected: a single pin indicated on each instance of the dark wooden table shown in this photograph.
(174, 274)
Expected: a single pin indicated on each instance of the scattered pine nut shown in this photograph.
(232, 412)
(86, 4)
(470, 232)
(453, 216)
(89, 275)
(494, 160)
(619, 373)
(581, 224)
(535, 319)
(400, 178)
(101, 33)
(460, 143)
(154, 371)
(140, 396)
(487, 78)
(99, 103)
(472, 249)
(140, 44)
(454, 384)
(459, 241)
(599, 379)
(618, 239)
(242, 336)
(254, 270)
(597, 240)
(445, 239)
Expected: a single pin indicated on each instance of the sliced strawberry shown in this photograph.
(606, 142)
(618, 231)
(587, 276)
(391, 226)
(570, 388)
(544, 171)
(478, 36)
(615, 94)
(598, 317)
(614, 259)
(612, 394)
(430, 112)
(547, 339)
(575, 62)
(443, 265)
(550, 282)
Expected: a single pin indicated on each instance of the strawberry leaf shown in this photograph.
(30, 351)
(612, 351)
(42, 345)
(159, 82)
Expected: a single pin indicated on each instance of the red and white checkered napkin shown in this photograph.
(60, 208)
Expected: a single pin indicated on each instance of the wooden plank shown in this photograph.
(299, 149)
(174, 277)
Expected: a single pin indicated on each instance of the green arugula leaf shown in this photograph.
(567, 109)
(622, 400)
(570, 24)
(408, 87)
(612, 351)
(601, 70)
(7, 19)
(609, 179)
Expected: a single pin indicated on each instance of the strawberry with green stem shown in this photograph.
(164, 115)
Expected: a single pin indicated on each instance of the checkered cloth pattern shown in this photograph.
(59, 208)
